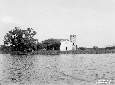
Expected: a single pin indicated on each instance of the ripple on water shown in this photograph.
(68, 69)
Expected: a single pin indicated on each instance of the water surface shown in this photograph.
(64, 69)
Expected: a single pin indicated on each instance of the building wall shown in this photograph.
(65, 45)
(73, 40)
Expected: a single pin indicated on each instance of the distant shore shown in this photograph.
(57, 52)
(73, 52)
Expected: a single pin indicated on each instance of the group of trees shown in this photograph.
(23, 40)
(51, 44)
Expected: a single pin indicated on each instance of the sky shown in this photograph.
(92, 21)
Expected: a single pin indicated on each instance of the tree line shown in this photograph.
(23, 40)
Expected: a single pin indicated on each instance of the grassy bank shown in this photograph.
(54, 52)
(57, 52)
(88, 52)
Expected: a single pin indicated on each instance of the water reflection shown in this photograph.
(53, 69)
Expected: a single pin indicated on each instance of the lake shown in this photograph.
(64, 69)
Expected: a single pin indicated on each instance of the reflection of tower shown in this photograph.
(73, 40)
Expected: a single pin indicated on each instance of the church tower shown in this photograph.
(73, 40)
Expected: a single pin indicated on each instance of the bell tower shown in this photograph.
(73, 40)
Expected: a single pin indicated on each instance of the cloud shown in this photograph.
(8, 19)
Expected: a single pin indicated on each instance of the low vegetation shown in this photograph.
(19, 41)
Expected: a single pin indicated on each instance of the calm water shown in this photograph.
(83, 69)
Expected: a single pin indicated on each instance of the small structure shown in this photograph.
(65, 45)
(68, 45)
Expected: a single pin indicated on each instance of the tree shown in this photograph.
(109, 48)
(113, 47)
(95, 47)
(51, 44)
(82, 48)
(5, 49)
(20, 40)
(39, 46)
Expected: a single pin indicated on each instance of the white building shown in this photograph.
(68, 45)
(65, 45)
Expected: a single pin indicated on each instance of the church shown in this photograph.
(67, 45)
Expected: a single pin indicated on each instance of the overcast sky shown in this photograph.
(92, 21)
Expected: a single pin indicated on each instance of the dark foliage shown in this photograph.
(51, 44)
(81, 48)
(95, 47)
(110, 48)
(20, 40)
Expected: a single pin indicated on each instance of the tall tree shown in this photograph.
(20, 40)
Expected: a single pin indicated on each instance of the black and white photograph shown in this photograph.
(57, 42)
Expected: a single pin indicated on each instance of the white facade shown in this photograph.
(65, 45)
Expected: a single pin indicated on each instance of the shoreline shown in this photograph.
(58, 52)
